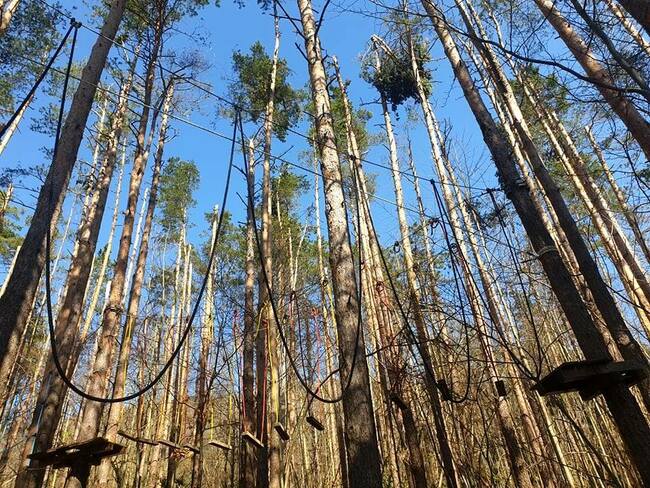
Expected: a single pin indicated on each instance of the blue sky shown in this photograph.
(344, 34)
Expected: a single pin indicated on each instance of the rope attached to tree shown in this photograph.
(74, 25)
(313, 393)
(48, 292)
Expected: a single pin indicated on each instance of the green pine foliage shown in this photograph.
(251, 89)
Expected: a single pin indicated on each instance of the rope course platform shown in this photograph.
(220, 445)
(590, 378)
(79, 457)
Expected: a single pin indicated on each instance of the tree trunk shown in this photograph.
(619, 103)
(627, 415)
(621, 200)
(53, 389)
(629, 26)
(247, 471)
(597, 287)
(17, 300)
(364, 467)
(639, 10)
(328, 316)
(619, 57)
(266, 314)
(15, 123)
(203, 396)
(115, 409)
(100, 374)
(7, 10)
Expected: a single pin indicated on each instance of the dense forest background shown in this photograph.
(353, 244)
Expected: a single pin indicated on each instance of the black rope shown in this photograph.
(190, 321)
(518, 272)
(313, 393)
(74, 25)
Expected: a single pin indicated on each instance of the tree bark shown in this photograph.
(99, 376)
(266, 314)
(602, 297)
(619, 103)
(247, 471)
(639, 10)
(629, 26)
(115, 409)
(7, 11)
(53, 389)
(364, 466)
(627, 415)
(17, 300)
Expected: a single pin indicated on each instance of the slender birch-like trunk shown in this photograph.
(364, 467)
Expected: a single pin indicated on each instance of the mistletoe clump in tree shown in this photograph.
(394, 79)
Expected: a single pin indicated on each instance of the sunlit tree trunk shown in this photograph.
(247, 471)
(115, 409)
(203, 396)
(52, 389)
(99, 376)
(632, 29)
(627, 415)
(619, 103)
(15, 123)
(602, 297)
(266, 314)
(329, 318)
(7, 10)
(639, 10)
(364, 467)
(18, 297)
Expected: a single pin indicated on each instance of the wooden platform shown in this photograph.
(88, 452)
(252, 439)
(590, 378)
(220, 445)
(139, 440)
(282, 432)
(315, 423)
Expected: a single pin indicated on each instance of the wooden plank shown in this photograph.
(315, 423)
(220, 445)
(282, 432)
(251, 439)
(192, 448)
(139, 440)
(171, 445)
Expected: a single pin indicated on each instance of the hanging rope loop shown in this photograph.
(74, 26)
(48, 284)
